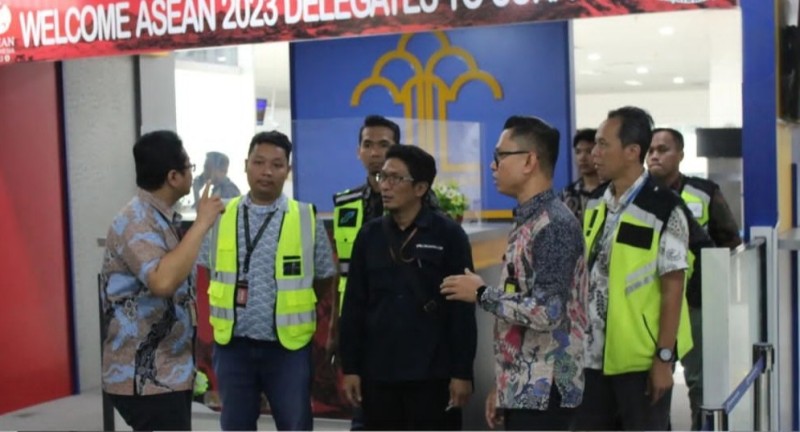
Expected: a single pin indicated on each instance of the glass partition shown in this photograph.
(732, 317)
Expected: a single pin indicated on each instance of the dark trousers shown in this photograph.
(416, 405)
(555, 417)
(611, 402)
(167, 411)
(246, 368)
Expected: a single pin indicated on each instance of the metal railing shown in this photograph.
(716, 418)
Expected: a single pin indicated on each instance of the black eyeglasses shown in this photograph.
(189, 167)
(392, 179)
(499, 155)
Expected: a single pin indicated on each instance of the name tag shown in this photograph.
(696, 209)
(429, 246)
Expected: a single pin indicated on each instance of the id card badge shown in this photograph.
(241, 293)
(192, 305)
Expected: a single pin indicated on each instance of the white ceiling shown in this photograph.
(667, 45)
(623, 44)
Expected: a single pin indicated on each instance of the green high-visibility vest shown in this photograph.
(698, 203)
(634, 290)
(295, 306)
(348, 217)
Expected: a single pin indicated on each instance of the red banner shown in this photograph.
(35, 30)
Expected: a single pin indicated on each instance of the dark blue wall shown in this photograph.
(530, 62)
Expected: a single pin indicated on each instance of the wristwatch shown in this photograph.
(479, 294)
(666, 355)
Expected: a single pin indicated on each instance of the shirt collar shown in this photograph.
(423, 219)
(280, 204)
(608, 196)
(533, 206)
(162, 207)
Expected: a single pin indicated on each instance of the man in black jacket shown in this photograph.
(407, 354)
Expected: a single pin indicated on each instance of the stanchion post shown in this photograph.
(761, 390)
(715, 419)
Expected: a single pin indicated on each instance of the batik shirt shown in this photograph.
(540, 325)
(149, 343)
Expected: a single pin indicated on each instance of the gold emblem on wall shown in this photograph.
(426, 96)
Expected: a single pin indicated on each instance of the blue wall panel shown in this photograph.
(529, 62)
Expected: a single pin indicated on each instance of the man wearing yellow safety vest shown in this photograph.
(266, 255)
(637, 237)
(708, 207)
(355, 207)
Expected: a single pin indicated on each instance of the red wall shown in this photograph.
(35, 353)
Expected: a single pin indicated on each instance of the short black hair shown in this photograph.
(155, 155)
(380, 121)
(421, 165)
(587, 134)
(676, 136)
(636, 128)
(272, 137)
(536, 134)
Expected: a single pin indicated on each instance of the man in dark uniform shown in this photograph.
(577, 193)
(407, 354)
(709, 208)
(355, 207)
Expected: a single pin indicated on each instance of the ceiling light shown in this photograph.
(678, 80)
(641, 70)
(633, 83)
(594, 56)
(588, 72)
(666, 31)
(221, 59)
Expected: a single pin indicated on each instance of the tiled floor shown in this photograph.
(84, 413)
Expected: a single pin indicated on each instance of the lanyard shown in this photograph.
(251, 246)
(612, 224)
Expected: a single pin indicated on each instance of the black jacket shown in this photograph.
(386, 334)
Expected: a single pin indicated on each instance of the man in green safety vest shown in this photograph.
(269, 258)
(355, 207)
(709, 208)
(637, 240)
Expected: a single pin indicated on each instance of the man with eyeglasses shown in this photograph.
(407, 354)
(148, 290)
(540, 304)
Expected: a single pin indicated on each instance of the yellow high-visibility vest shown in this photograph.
(295, 306)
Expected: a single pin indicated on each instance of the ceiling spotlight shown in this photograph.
(594, 56)
(678, 80)
(633, 83)
(641, 70)
(666, 31)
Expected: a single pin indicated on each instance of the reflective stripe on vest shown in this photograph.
(295, 305)
(634, 292)
(698, 203)
(347, 220)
